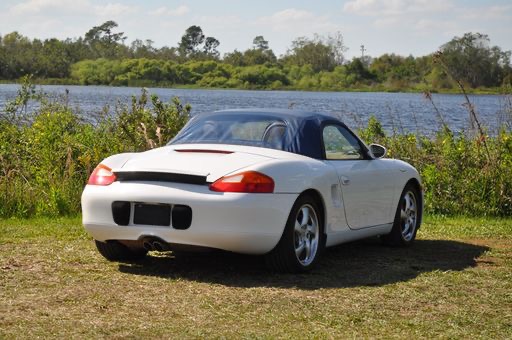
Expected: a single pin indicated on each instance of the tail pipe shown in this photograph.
(154, 244)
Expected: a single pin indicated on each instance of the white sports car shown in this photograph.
(277, 182)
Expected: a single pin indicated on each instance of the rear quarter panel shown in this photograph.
(298, 175)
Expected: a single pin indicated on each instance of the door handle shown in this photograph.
(345, 180)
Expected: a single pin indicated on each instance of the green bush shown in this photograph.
(46, 158)
(459, 176)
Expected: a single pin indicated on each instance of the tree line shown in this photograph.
(102, 57)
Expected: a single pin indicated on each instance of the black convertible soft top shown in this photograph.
(294, 131)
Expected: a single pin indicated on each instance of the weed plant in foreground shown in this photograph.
(460, 176)
(47, 156)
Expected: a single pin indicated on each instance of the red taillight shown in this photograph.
(102, 175)
(249, 181)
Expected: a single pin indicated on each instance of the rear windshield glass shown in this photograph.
(252, 130)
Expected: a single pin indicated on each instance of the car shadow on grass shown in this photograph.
(364, 263)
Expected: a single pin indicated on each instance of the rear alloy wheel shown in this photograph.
(302, 240)
(407, 219)
(116, 251)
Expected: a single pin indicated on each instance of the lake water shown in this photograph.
(397, 111)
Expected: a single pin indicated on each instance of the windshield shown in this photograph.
(252, 130)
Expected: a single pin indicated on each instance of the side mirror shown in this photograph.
(377, 150)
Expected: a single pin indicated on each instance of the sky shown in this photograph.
(404, 27)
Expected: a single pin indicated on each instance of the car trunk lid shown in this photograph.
(186, 164)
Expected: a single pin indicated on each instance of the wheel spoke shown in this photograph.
(298, 228)
(307, 244)
(311, 228)
(405, 229)
(407, 199)
(300, 249)
(305, 216)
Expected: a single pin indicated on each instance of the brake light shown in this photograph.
(102, 175)
(249, 181)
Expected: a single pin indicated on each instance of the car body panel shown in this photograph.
(251, 222)
(366, 186)
(238, 222)
(210, 164)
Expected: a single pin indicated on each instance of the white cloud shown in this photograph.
(62, 18)
(417, 26)
(173, 12)
(114, 10)
(220, 21)
(386, 22)
(395, 7)
(291, 14)
(426, 27)
(43, 6)
(487, 13)
(299, 21)
(414, 18)
(52, 8)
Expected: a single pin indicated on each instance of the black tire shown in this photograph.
(283, 257)
(406, 223)
(115, 251)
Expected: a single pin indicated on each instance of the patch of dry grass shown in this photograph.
(456, 281)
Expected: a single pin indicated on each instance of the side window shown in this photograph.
(340, 144)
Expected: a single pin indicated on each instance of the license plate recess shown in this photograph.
(152, 214)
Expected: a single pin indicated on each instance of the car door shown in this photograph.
(367, 184)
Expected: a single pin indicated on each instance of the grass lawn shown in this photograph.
(455, 282)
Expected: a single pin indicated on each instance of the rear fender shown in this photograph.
(118, 160)
(298, 176)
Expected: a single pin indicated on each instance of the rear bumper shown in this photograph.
(244, 223)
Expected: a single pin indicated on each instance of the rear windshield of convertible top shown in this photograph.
(251, 130)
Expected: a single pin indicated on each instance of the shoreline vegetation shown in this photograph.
(103, 57)
(369, 89)
(47, 155)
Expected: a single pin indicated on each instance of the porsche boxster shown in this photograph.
(280, 183)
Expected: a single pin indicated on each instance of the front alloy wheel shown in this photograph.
(407, 218)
